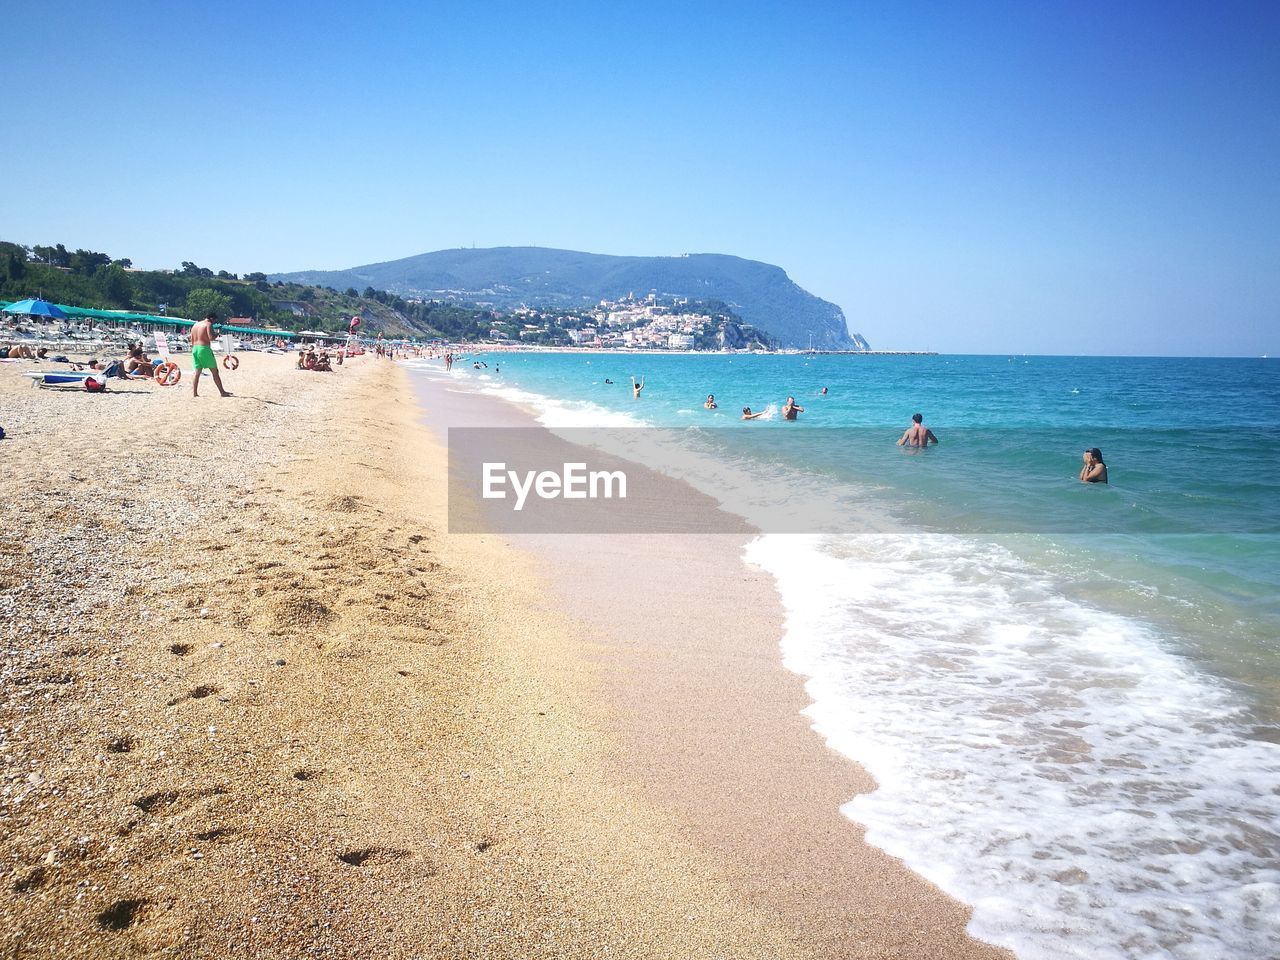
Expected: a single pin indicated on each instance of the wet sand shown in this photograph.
(688, 684)
(256, 702)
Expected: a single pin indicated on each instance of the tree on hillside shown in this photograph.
(201, 301)
(114, 286)
(85, 262)
(351, 292)
(256, 277)
(54, 256)
(15, 268)
(124, 262)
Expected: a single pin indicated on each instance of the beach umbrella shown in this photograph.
(36, 308)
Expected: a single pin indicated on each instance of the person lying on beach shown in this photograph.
(748, 415)
(20, 352)
(791, 409)
(43, 354)
(636, 388)
(1094, 470)
(917, 435)
(710, 402)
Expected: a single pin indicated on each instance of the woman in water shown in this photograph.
(710, 402)
(1094, 470)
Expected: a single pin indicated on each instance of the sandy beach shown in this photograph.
(257, 702)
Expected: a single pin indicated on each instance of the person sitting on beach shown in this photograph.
(1094, 470)
(136, 365)
(636, 387)
(917, 435)
(322, 363)
(791, 409)
(748, 415)
(710, 402)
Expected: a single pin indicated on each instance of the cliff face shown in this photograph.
(762, 294)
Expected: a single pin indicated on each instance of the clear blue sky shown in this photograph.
(1058, 177)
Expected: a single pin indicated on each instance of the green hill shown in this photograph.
(505, 277)
(86, 278)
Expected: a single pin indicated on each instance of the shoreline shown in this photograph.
(678, 682)
(258, 702)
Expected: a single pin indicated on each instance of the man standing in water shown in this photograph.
(791, 409)
(202, 353)
(917, 435)
(636, 387)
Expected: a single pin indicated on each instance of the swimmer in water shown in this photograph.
(917, 435)
(636, 387)
(607, 380)
(710, 402)
(1094, 470)
(748, 415)
(822, 392)
(791, 409)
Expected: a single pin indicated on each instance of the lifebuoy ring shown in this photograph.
(167, 374)
(230, 361)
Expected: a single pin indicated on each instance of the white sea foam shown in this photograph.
(1088, 792)
(558, 414)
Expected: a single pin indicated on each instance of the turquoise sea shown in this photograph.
(1069, 695)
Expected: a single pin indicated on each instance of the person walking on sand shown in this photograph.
(791, 409)
(1094, 470)
(636, 387)
(917, 435)
(202, 354)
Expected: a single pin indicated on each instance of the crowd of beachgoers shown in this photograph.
(135, 352)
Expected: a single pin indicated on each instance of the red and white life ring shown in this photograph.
(167, 374)
(230, 361)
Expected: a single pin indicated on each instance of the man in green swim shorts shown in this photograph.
(202, 353)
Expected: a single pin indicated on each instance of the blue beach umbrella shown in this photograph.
(36, 308)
